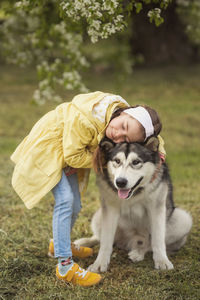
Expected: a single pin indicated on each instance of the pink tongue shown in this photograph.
(123, 194)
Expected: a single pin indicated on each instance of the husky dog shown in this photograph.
(137, 210)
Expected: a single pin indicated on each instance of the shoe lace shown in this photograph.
(81, 272)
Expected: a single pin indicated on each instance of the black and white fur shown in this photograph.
(146, 218)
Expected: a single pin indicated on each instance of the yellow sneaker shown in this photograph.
(78, 276)
(78, 251)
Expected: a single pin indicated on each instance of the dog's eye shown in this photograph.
(117, 160)
(135, 162)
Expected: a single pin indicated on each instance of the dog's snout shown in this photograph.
(121, 182)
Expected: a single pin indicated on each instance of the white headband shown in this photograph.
(141, 115)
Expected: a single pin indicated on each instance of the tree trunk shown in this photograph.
(167, 43)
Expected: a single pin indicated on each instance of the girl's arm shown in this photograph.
(161, 148)
(76, 144)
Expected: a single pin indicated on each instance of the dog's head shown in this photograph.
(129, 165)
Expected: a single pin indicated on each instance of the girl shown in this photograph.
(66, 138)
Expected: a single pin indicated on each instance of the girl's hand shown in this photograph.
(162, 156)
(69, 171)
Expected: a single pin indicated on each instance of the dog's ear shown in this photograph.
(152, 144)
(101, 153)
(106, 144)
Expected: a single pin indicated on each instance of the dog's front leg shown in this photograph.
(157, 215)
(109, 222)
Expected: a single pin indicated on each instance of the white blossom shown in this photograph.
(54, 44)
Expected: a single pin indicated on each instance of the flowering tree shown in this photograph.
(189, 11)
(50, 34)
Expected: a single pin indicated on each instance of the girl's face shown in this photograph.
(124, 128)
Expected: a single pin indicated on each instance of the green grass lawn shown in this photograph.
(26, 272)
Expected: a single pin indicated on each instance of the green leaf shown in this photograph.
(138, 7)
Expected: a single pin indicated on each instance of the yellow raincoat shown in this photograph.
(66, 136)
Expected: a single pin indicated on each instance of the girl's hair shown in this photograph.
(153, 114)
(98, 159)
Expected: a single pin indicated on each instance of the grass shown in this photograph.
(25, 270)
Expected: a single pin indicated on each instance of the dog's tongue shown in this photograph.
(123, 194)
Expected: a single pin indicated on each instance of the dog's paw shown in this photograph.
(135, 256)
(97, 267)
(81, 242)
(163, 264)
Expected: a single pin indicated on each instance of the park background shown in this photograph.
(157, 66)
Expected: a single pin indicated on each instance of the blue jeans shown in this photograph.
(66, 209)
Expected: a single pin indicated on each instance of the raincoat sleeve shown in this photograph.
(76, 145)
(161, 148)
